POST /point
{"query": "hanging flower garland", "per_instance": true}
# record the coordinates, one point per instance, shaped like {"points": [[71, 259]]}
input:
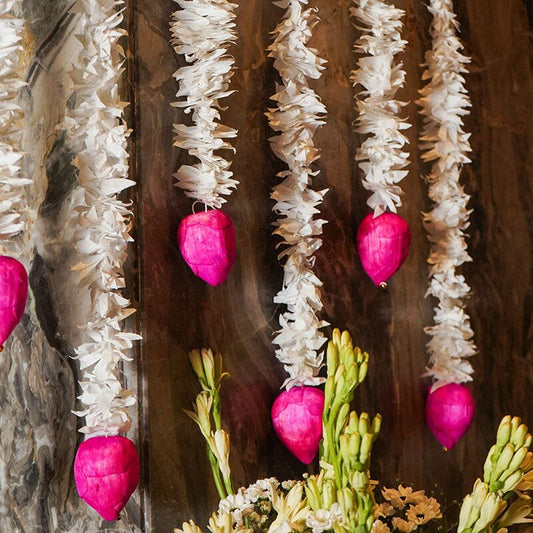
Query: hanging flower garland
{"points": [[106, 468], [297, 412], [444, 103], [13, 204], [202, 31], [383, 237]]}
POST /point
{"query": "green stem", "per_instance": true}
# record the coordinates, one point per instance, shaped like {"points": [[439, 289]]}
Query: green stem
{"points": [[228, 485], [215, 411], [334, 458], [216, 473]]}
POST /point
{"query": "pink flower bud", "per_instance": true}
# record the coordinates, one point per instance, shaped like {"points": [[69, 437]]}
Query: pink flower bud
{"points": [[13, 295], [297, 420], [382, 244], [106, 471], [449, 413], [207, 243]]}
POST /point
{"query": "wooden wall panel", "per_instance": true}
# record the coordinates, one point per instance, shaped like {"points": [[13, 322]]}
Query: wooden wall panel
{"points": [[180, 312]]}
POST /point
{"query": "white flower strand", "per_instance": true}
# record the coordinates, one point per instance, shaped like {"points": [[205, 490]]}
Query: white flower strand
{"points": [[298, 114], [444, 102], [202, 31], [13, 205], [381, 156], [98, 134]]}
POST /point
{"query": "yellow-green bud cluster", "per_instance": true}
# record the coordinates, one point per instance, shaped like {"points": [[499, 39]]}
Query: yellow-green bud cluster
{"points": [[347, 439], [507, 462], [503, 467], [347, 368], [480, 509], [356, 441]]}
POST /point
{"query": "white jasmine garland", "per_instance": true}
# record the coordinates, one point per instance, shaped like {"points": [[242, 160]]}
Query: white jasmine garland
{"points": [[298, 114], [13, 205], [98, 135], [381, 157], [444, 102], [202, 31]]}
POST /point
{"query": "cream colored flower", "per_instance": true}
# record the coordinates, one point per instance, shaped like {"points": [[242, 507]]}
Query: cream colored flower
{"points": [[188, 527], [399, 524], [324, 520], [402, 496], [424, 511], [526, 483], [221, 451], [379, 527], [292, 511], [223, 523], [384, 510], [519, 512]]}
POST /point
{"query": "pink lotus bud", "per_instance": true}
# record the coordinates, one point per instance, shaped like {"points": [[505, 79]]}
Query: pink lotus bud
{"points": [[106, 471], [13, 295], [382, 244], [207, 243], [297, 420], [449, 413]]}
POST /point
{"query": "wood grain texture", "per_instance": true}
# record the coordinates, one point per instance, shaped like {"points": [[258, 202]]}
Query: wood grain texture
{"points": [[179, 312]]}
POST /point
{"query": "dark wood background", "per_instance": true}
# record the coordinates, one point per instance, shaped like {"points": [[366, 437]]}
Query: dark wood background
{"points": [[180, 312]]}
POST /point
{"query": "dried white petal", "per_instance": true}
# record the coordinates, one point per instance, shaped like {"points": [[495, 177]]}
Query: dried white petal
{"points": [[444, 102], [297, 115], [202, 31], [97, 133], [381, 156]]}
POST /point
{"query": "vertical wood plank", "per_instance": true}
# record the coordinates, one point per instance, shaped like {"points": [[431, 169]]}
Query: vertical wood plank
{"points": [[180, 312]]}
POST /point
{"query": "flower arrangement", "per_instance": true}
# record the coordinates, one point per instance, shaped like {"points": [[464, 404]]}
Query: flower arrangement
{"points": [[342, 497]]}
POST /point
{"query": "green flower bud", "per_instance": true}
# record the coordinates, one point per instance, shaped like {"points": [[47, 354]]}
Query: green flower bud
{"points": [[512, 481], [336, 337], [517, 460], [504, 432], [490, 510], [515, 422], [489, 463], [346, 339], [518, 437], [363, 370], [328, 494], [312, 494], [366, 448], [363, 423], [376, 425], [464, 515], [503, 462], [341, 419], [355, 444], [329, 392], [332, 357], [353, 423]]}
